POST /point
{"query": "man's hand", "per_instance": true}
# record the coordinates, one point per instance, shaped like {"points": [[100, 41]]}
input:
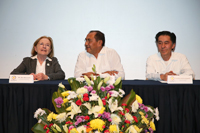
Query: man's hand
{"points": [[34, 76], [112, 73], [164, 76], [88, 74], [41, 76]]}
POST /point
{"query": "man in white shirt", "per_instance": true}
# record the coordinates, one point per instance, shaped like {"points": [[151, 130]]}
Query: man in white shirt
{"points": [[166, 61], [106, 60]]}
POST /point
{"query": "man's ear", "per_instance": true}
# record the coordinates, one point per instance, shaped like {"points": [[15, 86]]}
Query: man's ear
{"points": [[100, 42], [173, 46]]}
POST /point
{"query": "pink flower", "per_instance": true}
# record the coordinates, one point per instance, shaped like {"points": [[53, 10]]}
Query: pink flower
{"points": [[103, 89], [93, 92], [70, 127], [58, 100], [90, 88], [112, 87], [108, 88], [58, 106]]}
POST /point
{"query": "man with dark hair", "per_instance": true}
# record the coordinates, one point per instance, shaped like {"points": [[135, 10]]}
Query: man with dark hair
{"points": [[166, 61], [106, 60]]}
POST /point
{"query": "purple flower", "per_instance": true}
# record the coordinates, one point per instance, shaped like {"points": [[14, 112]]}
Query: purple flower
{"points": [[108, 88], [145, 108], [112, 87], [93, 92], [103, 89], [146, 115], [90, 88], [106, 115], [58, 100]]}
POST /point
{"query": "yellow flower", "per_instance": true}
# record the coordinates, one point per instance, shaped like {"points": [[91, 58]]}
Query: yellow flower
{"points": [[65, 93], [54, 116], [102, 110], [144, 120], [97, 124], [51, 116], [141, 113], [69, 108], [113, 128], [73, 130], [65, 100], [152, 125], [137, 129], [139, 99]]}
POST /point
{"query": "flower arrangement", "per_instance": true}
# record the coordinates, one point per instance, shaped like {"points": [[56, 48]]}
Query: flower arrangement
{"points": [[95, 106]]}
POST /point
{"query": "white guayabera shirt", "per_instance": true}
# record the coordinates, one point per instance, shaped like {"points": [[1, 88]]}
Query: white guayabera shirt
{"points": [[178, 63], [107, 60]]}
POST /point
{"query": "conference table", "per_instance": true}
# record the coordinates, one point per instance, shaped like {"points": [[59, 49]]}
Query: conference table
{"points": [[178, 104]]}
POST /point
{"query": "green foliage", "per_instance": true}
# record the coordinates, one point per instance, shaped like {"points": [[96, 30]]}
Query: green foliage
{"points": [[38, 128]]}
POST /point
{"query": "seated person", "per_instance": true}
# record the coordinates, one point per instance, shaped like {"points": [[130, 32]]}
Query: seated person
{"points": [[42, 65], [166, 61], [106, 60]]}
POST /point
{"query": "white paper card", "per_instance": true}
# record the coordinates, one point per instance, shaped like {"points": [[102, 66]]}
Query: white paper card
{"points": [[21, 79], [174, 79]]}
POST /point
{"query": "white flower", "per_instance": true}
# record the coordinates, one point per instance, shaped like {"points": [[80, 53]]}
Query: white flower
{"points": [[150, 109], [74, 110], [97, 131], [39, 112], [114, 105], [80, 79], [65, 128], [135, 106], [156, 114], [81, 91], [81, 129], [61, 85], [71, 95], [93, 110], [61, 117], [115, 119], [121, 92], [129, 117], [39, 121], [114, 93], [131, 129], [94, 97], [112, 80]]}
